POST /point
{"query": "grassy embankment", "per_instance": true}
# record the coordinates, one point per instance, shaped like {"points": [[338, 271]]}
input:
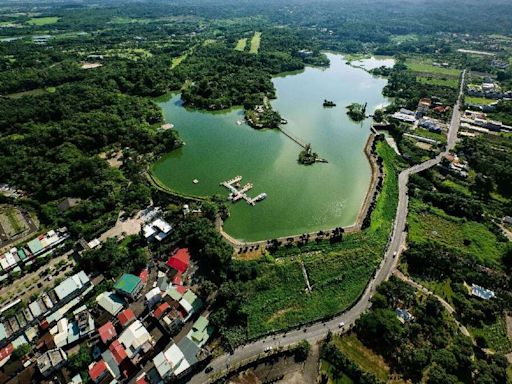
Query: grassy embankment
{"points": [[338, 273]]}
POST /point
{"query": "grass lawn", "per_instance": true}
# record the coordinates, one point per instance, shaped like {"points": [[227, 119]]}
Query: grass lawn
{"points": [[495, 335], [11, 216], [452, 82], [338, 273], [43, 20], [364, 357], [478, 100], [430, 224], [423, 66], [241, 44], [441, 137], [255, 42]]}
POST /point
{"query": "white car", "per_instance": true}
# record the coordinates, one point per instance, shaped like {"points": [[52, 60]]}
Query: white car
{"points": [[268, 349], [341, 324]]}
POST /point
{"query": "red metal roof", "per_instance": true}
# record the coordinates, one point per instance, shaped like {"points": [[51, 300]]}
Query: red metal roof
{"points": [[126, 316], [107, 332], [6, 351], [181, 289], [180, 260], [118, 351], [97, 370], [141, 380], [177, 280], [160, 310], [144, 275]]}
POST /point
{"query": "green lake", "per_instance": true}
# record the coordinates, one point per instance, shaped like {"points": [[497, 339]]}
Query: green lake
{"points": [[300, 198]]}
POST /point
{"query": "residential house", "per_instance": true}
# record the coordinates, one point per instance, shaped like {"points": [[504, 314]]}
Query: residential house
{"points": [[129, 286], [99, 372], [110, 302], [107, 332], [483, 293], [50, 361], [180, 260], [126, 317], [136, 341]]}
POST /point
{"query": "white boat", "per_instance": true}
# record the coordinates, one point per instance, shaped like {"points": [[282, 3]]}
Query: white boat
{"points": [[261, 196], [239, 122], [195, 181]]}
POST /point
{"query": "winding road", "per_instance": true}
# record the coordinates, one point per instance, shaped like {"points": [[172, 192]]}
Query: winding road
{"points": [[318, 331]]}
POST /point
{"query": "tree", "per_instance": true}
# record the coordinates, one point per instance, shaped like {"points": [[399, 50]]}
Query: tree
{"points": [[301, 351]]}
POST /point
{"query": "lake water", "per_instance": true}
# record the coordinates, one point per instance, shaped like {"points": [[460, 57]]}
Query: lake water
{"points": [[300, 198]]}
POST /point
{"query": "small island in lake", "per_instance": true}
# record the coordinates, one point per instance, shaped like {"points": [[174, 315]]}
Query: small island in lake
{"points": [[263, 116], [356, 111], [329, 103], [308, 157]]}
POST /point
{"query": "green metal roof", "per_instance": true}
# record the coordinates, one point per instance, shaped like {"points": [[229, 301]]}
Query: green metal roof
{"points": [[21, 254], [128, 283], [201, 324], [34, 245]]}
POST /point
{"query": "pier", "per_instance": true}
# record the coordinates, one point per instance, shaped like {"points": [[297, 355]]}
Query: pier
{"points": [[292, 137], [239, 194]]}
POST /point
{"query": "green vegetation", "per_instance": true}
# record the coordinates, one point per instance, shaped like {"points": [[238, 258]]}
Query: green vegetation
{"points": [[39, 21], [439, 81], [494, 336], [255, 42], [478, 100], [364, 357], [114, 258], [356, 111], [427, 349], [241, 44], [427, 224]]}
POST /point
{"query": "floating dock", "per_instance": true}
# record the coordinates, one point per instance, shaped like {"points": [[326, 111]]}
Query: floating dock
{"points": [[239, 194]]}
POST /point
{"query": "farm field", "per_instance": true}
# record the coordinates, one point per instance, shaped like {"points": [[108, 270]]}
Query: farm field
{"points": [[468, 237], [43, 20], [241, 44], [255, 42], [338, 273]]}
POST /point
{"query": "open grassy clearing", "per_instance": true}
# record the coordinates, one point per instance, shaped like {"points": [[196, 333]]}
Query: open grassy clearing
{"points": [[177, 60], [478, 100], [364, 357], [255, 42], [439, 81], [425, 66], [241, 44], [43, 20], [430, 224], [338, 273], [495, 335]]}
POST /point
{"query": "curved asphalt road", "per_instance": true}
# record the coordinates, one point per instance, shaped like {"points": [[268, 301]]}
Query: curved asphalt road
{"points": [[318, 331]]}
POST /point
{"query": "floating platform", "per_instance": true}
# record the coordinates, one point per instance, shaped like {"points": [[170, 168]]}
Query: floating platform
{"points": [[239, 194]]}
